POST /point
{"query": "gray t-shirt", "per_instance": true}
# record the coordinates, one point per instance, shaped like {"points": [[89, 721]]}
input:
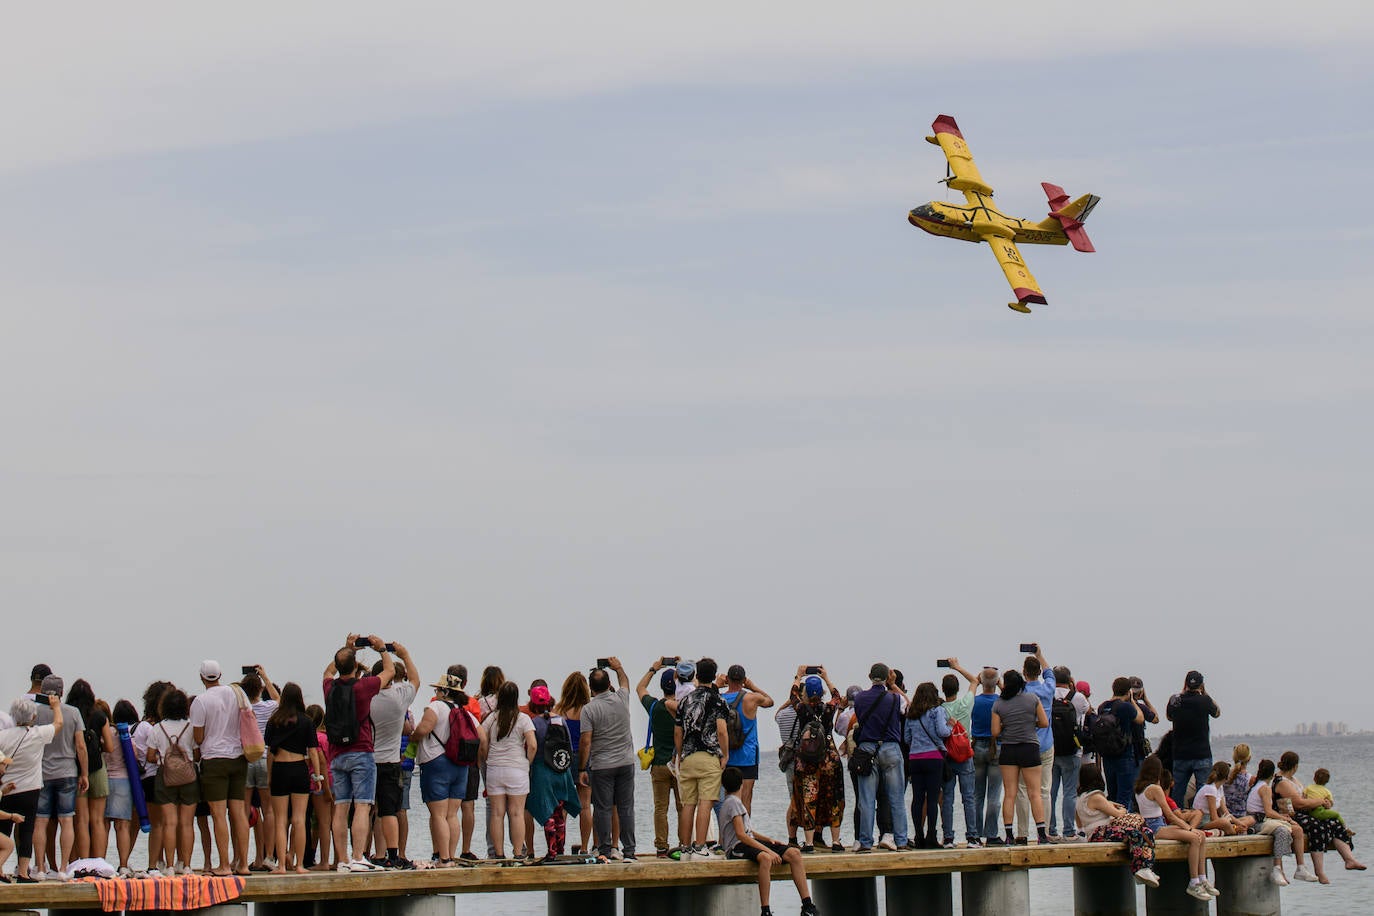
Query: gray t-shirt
{"points": [[388, 720], [59, 757], [1018, 719], [728, 809], [607, 717]]}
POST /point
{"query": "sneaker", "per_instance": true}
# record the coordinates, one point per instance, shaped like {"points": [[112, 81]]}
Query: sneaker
{"points": [[469, 857], [1148, 877], [678, 854], [616, 855], [1198, 891], [152, 873], [1211, 888], [1302, 874], [399, 864], [630, 858], [270, 862], [974, 843], [809, 909], [808, 849], [124, 872], [1277, 877], [181, 870], [341, 867], [995, 841], [792, 841], [661, 853], [699, 854], [948, 844], [858, 848], [887, 842], [1022, 841], [359, 865]]}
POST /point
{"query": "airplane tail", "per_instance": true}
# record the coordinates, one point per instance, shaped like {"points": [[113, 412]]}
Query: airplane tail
{"points": [[1070, 216]]}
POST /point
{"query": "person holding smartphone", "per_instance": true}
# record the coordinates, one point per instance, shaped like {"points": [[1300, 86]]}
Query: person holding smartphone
{"points": [[353, 767]]}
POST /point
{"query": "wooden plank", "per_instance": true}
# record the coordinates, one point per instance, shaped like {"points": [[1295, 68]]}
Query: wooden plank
{"points": [[647, 873]]}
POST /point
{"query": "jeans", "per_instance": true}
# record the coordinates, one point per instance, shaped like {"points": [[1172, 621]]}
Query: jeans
{"points": [[925, 775], [1119, 774], [987, 786], [889, 769], [614, 789], [1198, 769], [964, 776], [1065, 788]]}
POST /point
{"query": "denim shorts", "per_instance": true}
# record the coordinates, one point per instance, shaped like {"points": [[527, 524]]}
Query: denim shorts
{"points": [[257, 774], [442, 780], [119, 804], [355, 777], [57, 798]]}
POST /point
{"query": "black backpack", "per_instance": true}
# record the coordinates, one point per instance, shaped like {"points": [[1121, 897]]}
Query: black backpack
{"points": [[340, 715], [558, 754], [1108, 740], [1064, 724], [813, 741], [95, 761], [734, 722]]}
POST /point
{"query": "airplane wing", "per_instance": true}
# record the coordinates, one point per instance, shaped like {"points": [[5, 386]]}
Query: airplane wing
{"points": [[964, 174], [1017, 273]]}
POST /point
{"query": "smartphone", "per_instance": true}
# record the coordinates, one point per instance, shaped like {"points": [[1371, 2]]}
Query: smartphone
{"points": [[362, 642], [249, 669], [813, 669], [667, 662], [1030, 648], [603, 663], [941, 663], [390, 647]]}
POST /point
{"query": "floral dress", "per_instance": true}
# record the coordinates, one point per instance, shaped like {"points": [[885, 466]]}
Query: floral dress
{"points": [[818, 787], [1321, 835]]}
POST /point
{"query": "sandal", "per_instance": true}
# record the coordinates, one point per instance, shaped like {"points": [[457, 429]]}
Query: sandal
{"points": [[807, 849], [1354, 866], [837, 847]]}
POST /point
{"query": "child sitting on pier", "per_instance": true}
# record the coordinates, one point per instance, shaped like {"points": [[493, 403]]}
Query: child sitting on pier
{"points": [[738, 839]]}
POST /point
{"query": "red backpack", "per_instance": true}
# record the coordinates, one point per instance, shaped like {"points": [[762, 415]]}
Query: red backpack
{"points": [[957, 745], [463, 739]]}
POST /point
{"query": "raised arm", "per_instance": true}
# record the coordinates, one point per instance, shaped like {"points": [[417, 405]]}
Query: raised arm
{"points": [[620, 674], [756, 699], [967, 675], [412, 669], [388, 666]]}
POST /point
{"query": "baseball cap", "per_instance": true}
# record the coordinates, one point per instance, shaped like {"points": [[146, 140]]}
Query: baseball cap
{"points": [[667, 680], [209, 670], [735, 672], [39, 672], [1083, 688], [540, 696], [878, 673], [686, 670], [1193, 681], [852, 691], [815, 687], [52, 684]]}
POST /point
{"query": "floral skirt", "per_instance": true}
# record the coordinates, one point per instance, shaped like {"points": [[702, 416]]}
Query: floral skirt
{"points": [[818, 793], [1322, 835], [1139, 842]]}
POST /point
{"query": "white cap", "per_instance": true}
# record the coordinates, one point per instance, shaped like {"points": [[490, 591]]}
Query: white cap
{"points": [[209, 670]]}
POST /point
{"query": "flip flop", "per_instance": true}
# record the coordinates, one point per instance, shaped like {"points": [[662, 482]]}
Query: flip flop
{"points": [[1355, 866]]}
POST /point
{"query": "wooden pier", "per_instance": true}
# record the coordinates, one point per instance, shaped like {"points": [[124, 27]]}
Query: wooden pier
{"points": [[992, 882]]}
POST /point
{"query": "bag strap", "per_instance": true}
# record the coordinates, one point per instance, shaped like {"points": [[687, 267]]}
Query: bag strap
{"points": [[922, 722], [649, 736]]}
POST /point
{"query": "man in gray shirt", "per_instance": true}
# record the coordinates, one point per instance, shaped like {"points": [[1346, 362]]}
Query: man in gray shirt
{"points": [[389, 709], [606, 754], [64, 775]]}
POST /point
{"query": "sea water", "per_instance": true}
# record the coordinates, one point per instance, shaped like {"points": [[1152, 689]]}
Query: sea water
{"points": [[1348, 758]]}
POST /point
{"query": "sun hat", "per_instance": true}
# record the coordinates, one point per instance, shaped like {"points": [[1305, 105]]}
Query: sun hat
{"points": [[453, 683]]}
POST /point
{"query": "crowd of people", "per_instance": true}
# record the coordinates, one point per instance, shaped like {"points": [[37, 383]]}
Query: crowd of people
{"points": [[271, 784]]}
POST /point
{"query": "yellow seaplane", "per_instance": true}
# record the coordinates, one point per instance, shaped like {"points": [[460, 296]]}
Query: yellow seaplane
{"points": [[979, 221]]}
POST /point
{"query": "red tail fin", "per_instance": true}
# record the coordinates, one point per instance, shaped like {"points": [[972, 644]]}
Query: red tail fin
{"points": [[1073, 225]]}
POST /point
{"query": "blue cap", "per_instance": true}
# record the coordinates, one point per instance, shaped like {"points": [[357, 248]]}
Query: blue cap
{"points": [[667, 681], [814, 686], [686, 671]]}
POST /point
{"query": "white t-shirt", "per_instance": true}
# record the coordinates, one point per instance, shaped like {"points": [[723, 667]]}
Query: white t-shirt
{"points": [[1209, 791], [217, 711], [162, 734], [432, 747], [510, 750], [25, 745], [142, 730]]}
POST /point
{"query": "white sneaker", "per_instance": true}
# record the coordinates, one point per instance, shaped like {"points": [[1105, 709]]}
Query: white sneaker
{"points": [[1211, 888], [124, 872], [152, 873], [700, 854], [617, 855], [887, 842], [1302, 874], [1198, 891], [1277, 877], [269, 862], [343, 867], [1147, 876]]}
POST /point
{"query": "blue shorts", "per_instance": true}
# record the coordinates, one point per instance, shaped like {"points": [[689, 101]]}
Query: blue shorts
{"points": [[57, 798], [406, 777], [1153, 824], [119, 804], [355, 778], [442, 780]]}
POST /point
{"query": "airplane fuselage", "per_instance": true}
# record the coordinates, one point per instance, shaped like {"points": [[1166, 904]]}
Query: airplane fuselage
{"points": [[973, 221]]}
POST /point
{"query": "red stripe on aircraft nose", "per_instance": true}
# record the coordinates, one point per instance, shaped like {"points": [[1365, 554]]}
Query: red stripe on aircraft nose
{"points": [[944, 124], [1029, 295]]}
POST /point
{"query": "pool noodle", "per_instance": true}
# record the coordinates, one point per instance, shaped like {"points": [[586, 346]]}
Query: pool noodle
{"points": [[135, 771]]}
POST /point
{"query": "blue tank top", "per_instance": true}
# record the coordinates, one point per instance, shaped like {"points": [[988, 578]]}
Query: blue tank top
{"points": [[748, 755], [981, 717], [574, 733]]}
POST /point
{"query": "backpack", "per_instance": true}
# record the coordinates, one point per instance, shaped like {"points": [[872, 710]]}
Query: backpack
{"points": [[463, 741], [1108, 740], [95, 760], [177, 769], [734, 722], [1064, 724], [958, 747], [558, 755], [341, 716], [813, 742]]}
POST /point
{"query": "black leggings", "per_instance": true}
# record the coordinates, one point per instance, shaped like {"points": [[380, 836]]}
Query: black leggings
{"points": [[26, 804], [926, 776]]}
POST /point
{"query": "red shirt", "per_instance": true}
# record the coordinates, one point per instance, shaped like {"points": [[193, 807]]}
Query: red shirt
{"points": [[364, 689]]}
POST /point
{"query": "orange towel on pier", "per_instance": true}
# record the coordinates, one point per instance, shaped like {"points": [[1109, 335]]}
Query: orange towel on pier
{"points": [[185, 892]]}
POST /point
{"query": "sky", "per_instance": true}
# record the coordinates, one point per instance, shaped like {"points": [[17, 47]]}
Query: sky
{"points": [[528, 336]]}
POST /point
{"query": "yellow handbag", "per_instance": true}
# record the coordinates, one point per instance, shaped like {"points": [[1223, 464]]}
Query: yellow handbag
{"points": [[646, 753]]}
